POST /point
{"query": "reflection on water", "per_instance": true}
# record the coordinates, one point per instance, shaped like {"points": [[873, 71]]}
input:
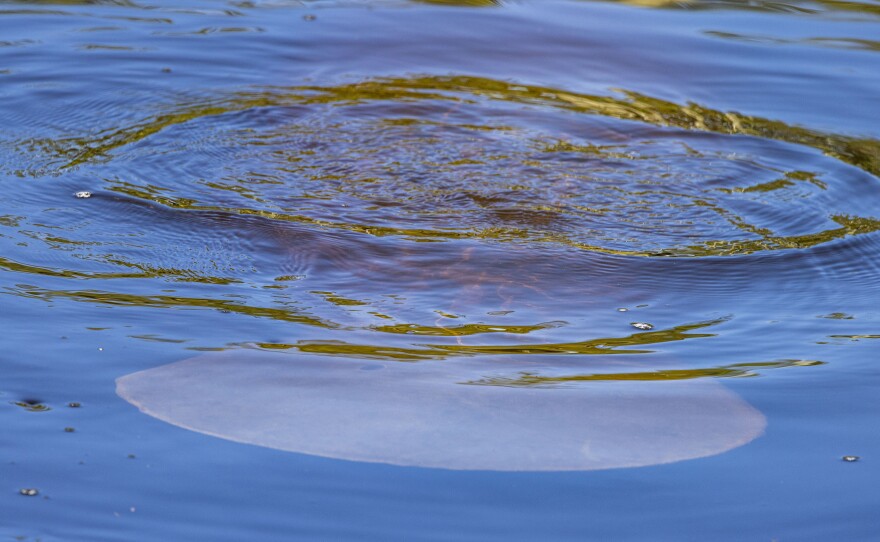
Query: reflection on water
{"points": [[458, 157], [404, 206], [735, 370], [413, 206], [813, 7], [604, 346], [421, 186]]}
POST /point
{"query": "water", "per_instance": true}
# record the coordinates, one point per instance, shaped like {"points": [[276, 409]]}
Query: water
{"points": [[428, 183]]}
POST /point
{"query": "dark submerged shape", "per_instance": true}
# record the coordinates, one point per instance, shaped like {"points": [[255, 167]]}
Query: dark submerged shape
{"points": [[434, 184], [380, 205], [428, 414]]}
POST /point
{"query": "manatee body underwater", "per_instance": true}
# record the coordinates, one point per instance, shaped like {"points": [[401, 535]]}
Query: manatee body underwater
{"points": [[425, 221]]}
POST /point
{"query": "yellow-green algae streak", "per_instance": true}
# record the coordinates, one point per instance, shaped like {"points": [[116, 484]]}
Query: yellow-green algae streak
{"points": [[463, 92], [430, 173]]}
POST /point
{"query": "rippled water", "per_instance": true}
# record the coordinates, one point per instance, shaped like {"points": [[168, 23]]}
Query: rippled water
{"points": [[510, 184]]}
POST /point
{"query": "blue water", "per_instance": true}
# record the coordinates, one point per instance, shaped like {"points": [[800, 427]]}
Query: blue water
{"points": [[325, 176]]}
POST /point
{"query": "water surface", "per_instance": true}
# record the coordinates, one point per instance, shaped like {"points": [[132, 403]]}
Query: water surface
{"points": [[420, 182]]}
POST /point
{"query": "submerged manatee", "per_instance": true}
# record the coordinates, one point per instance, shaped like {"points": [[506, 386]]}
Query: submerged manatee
{"points": [[437, 413]]}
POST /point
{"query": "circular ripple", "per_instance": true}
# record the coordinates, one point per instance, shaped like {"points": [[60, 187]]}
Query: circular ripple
{"points": [[409, 160], [459, 208]]}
